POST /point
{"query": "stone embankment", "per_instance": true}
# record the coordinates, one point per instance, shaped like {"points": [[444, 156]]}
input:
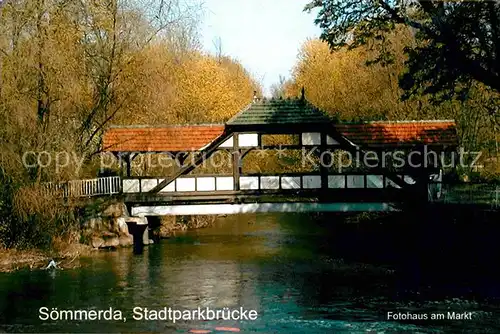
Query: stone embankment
{"points": [[110, 229]]}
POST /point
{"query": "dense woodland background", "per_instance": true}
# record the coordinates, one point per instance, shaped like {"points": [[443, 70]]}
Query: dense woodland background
{"points": [[70, 69], [342, 84]]}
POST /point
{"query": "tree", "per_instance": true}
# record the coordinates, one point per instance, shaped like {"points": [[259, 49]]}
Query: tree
{"points": [[113, 36], [67, 70], [219, 53], [456, 41], [278, 90], [68, 67], [341, 84]]}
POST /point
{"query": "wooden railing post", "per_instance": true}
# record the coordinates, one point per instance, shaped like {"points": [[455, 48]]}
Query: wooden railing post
{"points": [[324, 161], [236, 162]]}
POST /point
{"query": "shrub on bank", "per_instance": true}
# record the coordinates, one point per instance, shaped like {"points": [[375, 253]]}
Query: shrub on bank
{"points": [[30, 218], [171, 224]]}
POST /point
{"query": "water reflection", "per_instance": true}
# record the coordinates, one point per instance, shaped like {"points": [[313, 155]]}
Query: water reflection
{"points": [[279, 265]]}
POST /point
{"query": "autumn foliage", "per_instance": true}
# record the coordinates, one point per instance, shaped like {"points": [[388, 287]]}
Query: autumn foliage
{"points": [[192, 87], [351, 85], [71, 69]]}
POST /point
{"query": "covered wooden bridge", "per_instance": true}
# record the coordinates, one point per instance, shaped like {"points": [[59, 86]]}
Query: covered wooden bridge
{"points": [[369, 180]]}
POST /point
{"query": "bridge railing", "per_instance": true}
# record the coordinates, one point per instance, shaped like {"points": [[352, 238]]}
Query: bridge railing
{"points": [[296, 181], [102, 186], [105, 186]]}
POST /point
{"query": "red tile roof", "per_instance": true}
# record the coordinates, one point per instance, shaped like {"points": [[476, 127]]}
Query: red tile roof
{"points": [[405, 133], [160, 139], [194, 137]]}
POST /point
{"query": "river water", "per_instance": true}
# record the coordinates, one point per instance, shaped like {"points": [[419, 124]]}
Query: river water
{"points": [[282, 266]]}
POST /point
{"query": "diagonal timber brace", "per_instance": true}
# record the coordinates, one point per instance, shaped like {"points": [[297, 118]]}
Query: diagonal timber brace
{"points": [[202, 155], [352, 148]]}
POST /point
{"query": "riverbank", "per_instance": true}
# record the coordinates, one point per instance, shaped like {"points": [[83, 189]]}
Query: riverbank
{"points": [[67, 255], [35, 259], [167, 227]]}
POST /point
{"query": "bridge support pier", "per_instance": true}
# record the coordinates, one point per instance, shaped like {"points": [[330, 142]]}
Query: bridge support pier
{"points": [[138, 228]]}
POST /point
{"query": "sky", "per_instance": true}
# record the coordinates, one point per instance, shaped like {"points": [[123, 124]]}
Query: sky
{"points": [[264, 35]]}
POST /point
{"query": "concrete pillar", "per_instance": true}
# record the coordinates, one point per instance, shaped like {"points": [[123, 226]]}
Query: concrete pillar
{"points": [[236, 162], [138, 228], [145, 236]]}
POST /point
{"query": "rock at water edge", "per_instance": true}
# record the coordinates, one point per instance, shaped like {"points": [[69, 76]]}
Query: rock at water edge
{"points": [[97, 242]]}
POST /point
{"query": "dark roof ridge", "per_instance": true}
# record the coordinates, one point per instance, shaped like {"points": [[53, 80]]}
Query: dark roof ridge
{"points": [[278, 111]]}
